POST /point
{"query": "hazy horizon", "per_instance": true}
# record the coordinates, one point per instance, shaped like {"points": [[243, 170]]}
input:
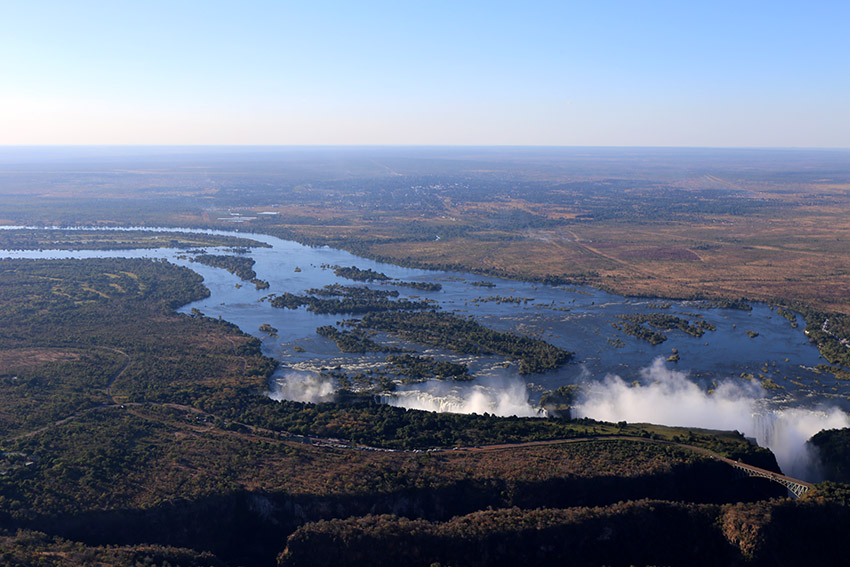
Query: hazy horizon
{"points": [[414, 146], [608, 74]]}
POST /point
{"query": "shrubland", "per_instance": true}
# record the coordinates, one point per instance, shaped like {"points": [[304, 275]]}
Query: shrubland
{"points": [[152, 432]]}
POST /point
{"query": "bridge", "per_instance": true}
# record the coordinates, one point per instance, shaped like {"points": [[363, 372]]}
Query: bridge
{"points": [[796, 487]]}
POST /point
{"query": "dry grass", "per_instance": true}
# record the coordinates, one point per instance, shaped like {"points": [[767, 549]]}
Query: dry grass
{"points": [[803, 254], [19, 358]]}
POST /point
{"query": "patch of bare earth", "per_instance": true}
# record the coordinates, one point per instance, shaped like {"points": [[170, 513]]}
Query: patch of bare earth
{"points": [[32, 357]]}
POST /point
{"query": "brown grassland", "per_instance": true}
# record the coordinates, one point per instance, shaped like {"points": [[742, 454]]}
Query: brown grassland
{"points": [[796, 252], [128, 425], [762, 225]]}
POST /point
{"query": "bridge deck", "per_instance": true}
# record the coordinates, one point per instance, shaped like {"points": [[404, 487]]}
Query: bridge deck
{"points": [[796, 487]]}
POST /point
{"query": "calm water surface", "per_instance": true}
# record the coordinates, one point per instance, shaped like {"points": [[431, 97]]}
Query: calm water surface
{"points": [[577, 319]]}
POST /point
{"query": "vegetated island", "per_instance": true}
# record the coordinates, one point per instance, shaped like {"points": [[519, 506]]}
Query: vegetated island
{"points": [[420, 286], [82, 239], [419, 368], [348, 299], [241, 266], [353, 340], [127, 424], [417, 321], [648, 326], [466, 336], [356, 274]]}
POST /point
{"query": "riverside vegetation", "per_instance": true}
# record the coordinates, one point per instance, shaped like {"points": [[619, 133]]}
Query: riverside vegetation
{"points": [[76, 239], [417, 321], [241, 266], [167, 448], [199, 468]]}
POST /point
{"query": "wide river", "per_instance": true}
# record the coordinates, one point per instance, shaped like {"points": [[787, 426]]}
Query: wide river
{"points": [[624, 377]]}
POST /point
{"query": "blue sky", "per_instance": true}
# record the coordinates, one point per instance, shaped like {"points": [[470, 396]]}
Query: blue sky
{"points": [[720, 74]]}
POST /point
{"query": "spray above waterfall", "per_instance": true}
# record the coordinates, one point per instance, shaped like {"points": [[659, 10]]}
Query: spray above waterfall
{"points": [[668, 397], [662, 395], [496, 395], [301, 387]]}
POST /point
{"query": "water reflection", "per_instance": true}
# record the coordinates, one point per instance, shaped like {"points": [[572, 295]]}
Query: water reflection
{"points": [[581, 320]]}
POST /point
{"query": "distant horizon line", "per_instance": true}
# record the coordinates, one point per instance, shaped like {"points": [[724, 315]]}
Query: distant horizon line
{"points": [[459, 146]]}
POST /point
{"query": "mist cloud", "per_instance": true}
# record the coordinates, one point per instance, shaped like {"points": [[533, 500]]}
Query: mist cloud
{"points": [[786, 431], [494, 395], [668, 397], [302, 387], [663, 396]]}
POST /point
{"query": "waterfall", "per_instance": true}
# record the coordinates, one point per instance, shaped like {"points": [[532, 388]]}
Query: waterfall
{"points": [[502, 399]]}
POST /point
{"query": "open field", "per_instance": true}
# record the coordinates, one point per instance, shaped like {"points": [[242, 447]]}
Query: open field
{"points": [[764, 224], [789, 251], [767, 225]]}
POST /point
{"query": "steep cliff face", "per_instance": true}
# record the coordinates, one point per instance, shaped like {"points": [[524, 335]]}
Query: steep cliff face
{"points": [[832, 447], [647, 532], [251, 527], [643, 533], [808, 531]]}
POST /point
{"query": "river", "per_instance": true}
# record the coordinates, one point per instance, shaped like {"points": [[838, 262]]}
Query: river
{"points": [[717, 381]]}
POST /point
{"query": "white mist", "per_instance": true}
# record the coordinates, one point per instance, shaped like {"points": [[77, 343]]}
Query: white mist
{"points": [[667, 397]]}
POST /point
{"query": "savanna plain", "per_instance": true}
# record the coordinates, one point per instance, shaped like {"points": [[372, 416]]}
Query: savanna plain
{"points": [[135, 432]]}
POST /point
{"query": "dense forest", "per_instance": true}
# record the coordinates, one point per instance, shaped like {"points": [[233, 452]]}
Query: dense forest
{"points": [[241, 266], [649, 326], [833, 450], [643, 532], [127, 425], [465, 336]]}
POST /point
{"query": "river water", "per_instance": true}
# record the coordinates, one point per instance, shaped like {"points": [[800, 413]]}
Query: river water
{"points": [[717, 381], [577, 319]]}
